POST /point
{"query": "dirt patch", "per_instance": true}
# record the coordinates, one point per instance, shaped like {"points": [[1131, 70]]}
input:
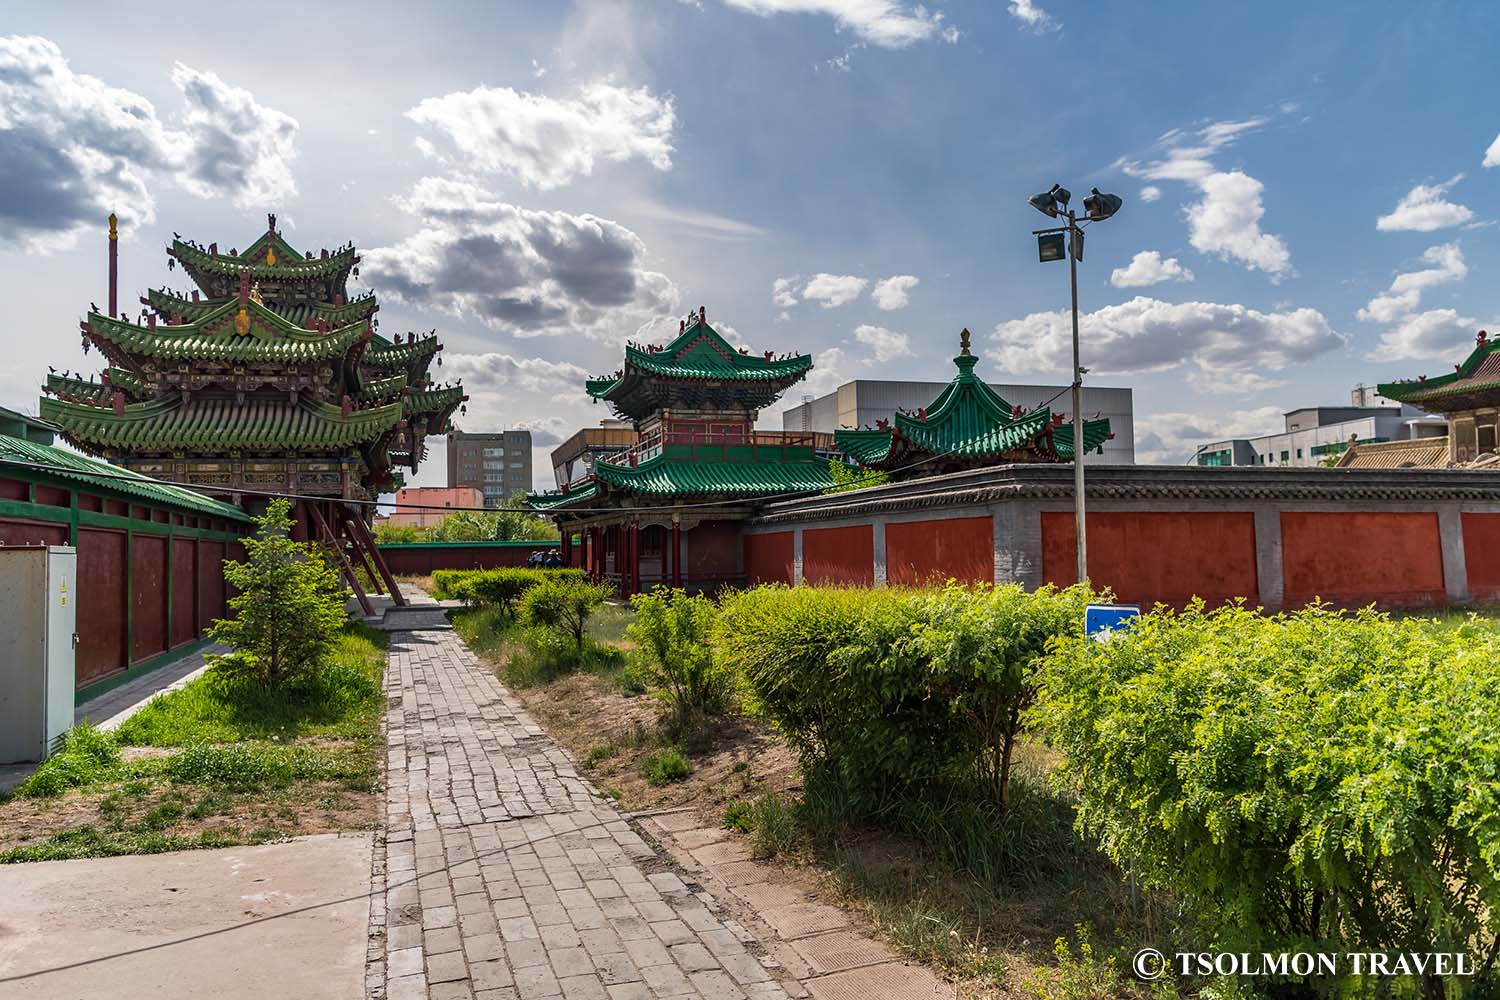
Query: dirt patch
{"points": [[145, 807], [609, 733]]}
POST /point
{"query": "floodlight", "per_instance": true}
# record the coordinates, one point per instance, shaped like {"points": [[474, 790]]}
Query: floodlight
{"points": [[1050, 201], [1051, 246], [1101, 206]]}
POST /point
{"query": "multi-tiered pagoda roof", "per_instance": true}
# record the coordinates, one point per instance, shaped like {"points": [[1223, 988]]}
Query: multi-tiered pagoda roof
{"points": [[1473, 383], [265, 375], [969, 425], [694, 402]]}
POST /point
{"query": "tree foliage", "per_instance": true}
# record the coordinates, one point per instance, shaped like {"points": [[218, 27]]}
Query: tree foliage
{"points": [[561, 607], [1304, 782], [512, 521], [289, 607], [852, 477], [672, 631]]}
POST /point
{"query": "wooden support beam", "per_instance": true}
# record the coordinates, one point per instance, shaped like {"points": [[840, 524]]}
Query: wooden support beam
{"points": [[365, 542], [333, 543]]}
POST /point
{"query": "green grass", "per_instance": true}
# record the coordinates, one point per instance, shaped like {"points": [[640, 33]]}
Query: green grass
{"points": [[91, 842], [87, 755], [666, 767], [341, 701], [525, 660]]}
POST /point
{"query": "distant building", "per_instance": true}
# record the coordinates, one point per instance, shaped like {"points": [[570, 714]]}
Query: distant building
{"points": [[425, 506], [574, 458], [498, 464], [864, 403], [1313, 435]]}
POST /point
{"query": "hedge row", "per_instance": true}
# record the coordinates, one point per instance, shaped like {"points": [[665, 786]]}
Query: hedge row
{"points": [[499, 587], [885, 693]]}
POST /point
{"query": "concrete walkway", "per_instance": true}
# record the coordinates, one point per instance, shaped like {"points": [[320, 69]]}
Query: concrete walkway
{"points": [[504, 876]]}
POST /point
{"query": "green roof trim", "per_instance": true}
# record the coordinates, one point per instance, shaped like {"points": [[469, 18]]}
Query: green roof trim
{"points": [[1479, 372], [213, 337], [293, 267], [361, 307], [383, 355], [380, 388], [73, 388], [220, 423], [53, 461], [699, 353], [555, 499]]}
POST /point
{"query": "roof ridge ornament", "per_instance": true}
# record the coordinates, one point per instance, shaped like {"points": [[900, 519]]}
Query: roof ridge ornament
{"points": [[963, 340]]}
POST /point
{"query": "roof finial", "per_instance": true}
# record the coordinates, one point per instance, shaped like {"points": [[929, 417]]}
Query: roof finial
{"points": [[1482, 338], [963, 340], [271, 223], [703, 315]]}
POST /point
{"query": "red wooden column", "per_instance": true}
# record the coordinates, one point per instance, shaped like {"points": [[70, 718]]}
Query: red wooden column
{"points": [[567, 546], [635, 557], [676, 552]]}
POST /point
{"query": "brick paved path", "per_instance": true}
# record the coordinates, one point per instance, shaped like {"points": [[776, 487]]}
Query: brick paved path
{"points": [[505, 877]]}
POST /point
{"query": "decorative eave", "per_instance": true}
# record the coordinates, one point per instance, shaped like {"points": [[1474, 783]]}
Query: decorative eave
{"points": [[298, 315], [666, 476], [561, 499], [411, 355], [1478, 375], [381, 388], [209, 269], [215, 424], [265, 336]]}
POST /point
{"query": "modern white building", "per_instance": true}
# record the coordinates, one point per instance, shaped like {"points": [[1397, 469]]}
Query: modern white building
{"points": [[1313, 435], [864, 401]]}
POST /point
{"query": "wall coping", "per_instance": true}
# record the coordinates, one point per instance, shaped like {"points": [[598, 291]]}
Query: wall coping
{"points": [[491, 544], [1002, 483]]}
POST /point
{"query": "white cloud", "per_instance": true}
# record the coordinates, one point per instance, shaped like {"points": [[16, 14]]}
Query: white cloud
{"points": [[1225, 221], [1405, 293], [826, 376], [527, 272], [1437, 334], [783, 294], [1150, 193], [1148, 268], [894, 292], [546, 142], [887, 344], [506, 371], [887, 23], [1029, 14], [1492, 155], [1146, 334], [1242, 383], [1424, 209], [834, 290], [1174, 438], [73, 148]]}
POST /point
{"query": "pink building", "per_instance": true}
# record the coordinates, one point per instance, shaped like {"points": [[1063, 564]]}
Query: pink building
{"points": [[425, 506]]}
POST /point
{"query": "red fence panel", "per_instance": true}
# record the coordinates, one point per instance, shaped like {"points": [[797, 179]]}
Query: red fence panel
{"points": [[102, 599], [1356, 557], [1151, 556], [184, 591], [958, 548], [769, 558], [1482, 555], [839, 555], [148, 618]]}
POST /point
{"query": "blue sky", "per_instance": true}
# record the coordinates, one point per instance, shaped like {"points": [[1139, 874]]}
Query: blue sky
{"points": [[1307, 195]]}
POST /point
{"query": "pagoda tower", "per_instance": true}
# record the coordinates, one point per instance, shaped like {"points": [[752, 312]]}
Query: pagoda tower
{"points": [[667, 511], [1468, 397], [968, 426], [266, 379]]}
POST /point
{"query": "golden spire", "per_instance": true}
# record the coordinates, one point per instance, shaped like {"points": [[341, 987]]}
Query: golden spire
{"points": [[114, 232], [963, 340]]}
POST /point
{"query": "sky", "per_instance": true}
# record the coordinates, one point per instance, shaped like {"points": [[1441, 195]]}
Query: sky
{"points": [[1307, 187]]}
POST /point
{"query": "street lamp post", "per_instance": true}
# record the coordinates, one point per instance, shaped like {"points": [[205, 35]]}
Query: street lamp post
{"points": [[1097, 207]]}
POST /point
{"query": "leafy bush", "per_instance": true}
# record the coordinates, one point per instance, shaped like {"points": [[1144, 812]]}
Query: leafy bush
{"points": [[558, 610], [666, 767], [86, 754], [737, 816], [1313, 781], [672, 630], [500, 587], [887, 695], [289, 607], [776, 828]]}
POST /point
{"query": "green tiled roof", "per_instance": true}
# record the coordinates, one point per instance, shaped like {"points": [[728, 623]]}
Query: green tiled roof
{"points": [[555, 499], [110, 478], [219, 422], [297, 315], [73, 388], [380, 388], [290, 265], [213, 336], [433, 400], [385, 355], [1479, 373], [699, 353], [968, 420], [664, 475]]}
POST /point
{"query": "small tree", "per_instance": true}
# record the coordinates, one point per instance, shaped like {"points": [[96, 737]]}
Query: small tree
{"points": [[290, 605], [563, 607], [672, 630], [852, 477]]}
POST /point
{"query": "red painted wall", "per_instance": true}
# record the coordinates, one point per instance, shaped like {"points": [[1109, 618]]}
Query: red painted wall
{"points": [[712, 552], [421, 561], [1355, 557], [1147, 557], [184, 628], [148, 620], [211, 583], [32, 533], [839, 555], [1482, 555], [959, 548], [770, 558], [101, 600]]}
